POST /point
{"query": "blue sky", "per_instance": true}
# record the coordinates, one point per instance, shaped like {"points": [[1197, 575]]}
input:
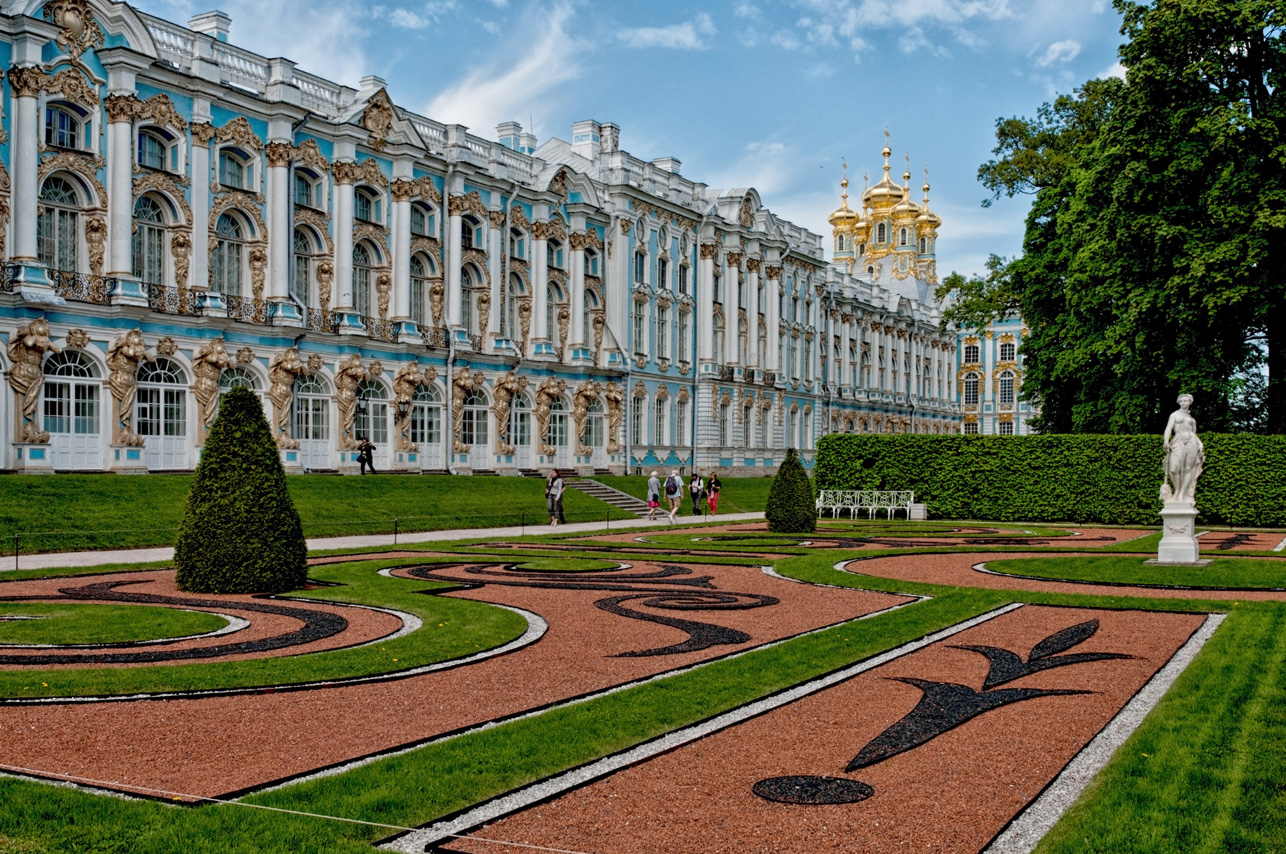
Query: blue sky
{"points": [[763, 93]]}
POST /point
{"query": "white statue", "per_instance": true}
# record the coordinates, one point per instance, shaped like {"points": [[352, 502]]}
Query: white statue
{"points": [[1184, 455]]}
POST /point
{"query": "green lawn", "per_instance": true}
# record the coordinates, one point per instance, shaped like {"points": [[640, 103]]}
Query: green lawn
{"points": [[1230, 572], [738, 494], [80, 512], [84, 623]]}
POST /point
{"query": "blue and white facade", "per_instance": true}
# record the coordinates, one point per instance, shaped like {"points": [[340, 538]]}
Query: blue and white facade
{"points": [[179, 216], [990, 375]]}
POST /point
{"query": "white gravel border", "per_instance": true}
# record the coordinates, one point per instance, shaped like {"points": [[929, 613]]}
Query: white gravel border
{"points": [[524, 797], [1026, 830]]}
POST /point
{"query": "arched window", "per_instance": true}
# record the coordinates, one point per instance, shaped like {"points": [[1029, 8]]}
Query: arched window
{"points": [[312, 408], [639, 328], [554, 254], [468, 287], [861, 249], [640, 269], [419, 287], [902, 237], [302, 283], [64, 126], [426, 417], [520, 421], [880, 233], [971, 390], [161, 405], [517, 243], [1007, 388], [237, 377], [509, 319], [149, 241], [235, 169], [924, 244], [592, 433], [363, 263], [58, 225], [366, 205], [556, 430], [591, 262], [660, 435], [1008, 350], [473, 427], [422, 221], [229, 252], [70, 393]]}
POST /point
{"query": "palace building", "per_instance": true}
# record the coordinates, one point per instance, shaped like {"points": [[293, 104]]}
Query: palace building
{"points": [[179, 217]]}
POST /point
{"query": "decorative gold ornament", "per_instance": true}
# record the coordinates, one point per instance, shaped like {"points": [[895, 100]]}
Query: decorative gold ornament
{"points": [[202, 133], [26, 351], [283, 369], [167, 346], [503, 391], [377, 118], [350, 374], [79, 30], [405, 384], [239, 133], [123, 357], [96, 238], [463, 383], [208, 364]]}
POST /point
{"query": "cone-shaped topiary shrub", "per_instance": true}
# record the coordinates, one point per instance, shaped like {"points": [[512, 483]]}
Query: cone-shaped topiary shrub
{"points": [[240, 532], [791, 509]]}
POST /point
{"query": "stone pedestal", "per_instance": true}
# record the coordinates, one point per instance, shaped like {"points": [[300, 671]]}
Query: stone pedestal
{"points": [[33, 458], [290, 461], [127, 459], [918, 513], [1178, 534]]}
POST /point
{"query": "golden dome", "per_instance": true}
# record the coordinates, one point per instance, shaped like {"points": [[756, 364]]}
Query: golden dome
{"points": [[906, 209], [885, 194], [844, 217]]}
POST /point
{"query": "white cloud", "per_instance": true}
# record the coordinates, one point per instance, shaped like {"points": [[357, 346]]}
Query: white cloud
{"points": [[746, 10], [408, 20], [514, 85], [689, 35], [1059, 52], [1116, 69]]}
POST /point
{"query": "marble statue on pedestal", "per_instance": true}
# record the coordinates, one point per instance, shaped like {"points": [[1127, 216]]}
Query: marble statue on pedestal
{"points": [[1184, 457]]}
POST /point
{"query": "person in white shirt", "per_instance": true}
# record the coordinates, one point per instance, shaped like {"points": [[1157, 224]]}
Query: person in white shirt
{"points": [[674, 493], [653, 496]]}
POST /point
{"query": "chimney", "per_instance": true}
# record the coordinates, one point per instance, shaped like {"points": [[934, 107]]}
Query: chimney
{"points": [[509, 134], [527, 143], [371, 83], [585, 138], [212, 24], [611, 138]]}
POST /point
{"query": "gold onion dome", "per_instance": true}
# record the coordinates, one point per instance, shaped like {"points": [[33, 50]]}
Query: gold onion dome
{"points": [[906, 209], [844, 216], [885, 194]]}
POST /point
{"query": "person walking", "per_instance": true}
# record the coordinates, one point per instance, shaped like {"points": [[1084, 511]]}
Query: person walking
{"points": [[712, 493], [653, 496], [554, 497], [674, 493], [366, 455], [697, 487]]}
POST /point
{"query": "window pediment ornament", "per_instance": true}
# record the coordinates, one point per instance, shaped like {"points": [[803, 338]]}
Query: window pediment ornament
{"points": [[640, 390], [518, 218], [406, 190], [239, 133], [374, 233], [319, 222], [663, 392], [79, 30], [159, 110], [82, 165], [367, 172], [71, 85], [552, 230], [471, 203], [664, 215], [167, 185], [479, 259], [558, 185], [377, 118], [684, 395], [429, 246]]}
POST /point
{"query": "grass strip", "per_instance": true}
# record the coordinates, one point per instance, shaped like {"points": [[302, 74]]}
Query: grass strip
{"points": [[83, 623], [1224, 572], [452, 628]]}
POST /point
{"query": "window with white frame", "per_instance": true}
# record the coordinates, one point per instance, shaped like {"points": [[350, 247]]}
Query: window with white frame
{"points": [[426, 417], [517, 243], [640, 268], [366, 205], [473, 426], [746, 425], [684, 334], [64, 126], [662, 332], [971, 390], [161, 404], [554, 254], [662, 273], [636, 421], [971, 428], [659, 408], [1008, 350], [683, 278], [157, 150], [520, 421], [591, 262], [972, 354], [724, 426], [70, 393], [419, 287], [148, 241], [423, 222], [235, 170], [226, 264], [312, 408], [681, 422], [308, 189], [1006, 392], [639, 327], [372, 418], [58, 225], [792, 429], [592, 432], [363, 269], [553, 299], [556, 429], [1005, 428]]}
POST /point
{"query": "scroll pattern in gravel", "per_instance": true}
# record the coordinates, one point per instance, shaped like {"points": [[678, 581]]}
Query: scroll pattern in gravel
{"points": [[779, 782]]}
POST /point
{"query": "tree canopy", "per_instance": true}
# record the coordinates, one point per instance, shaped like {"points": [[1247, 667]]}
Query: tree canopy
{"points": [[1154, 257]]}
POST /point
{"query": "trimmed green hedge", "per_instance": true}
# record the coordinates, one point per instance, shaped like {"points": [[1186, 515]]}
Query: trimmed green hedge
{"points": [[1114, 479], [791, 507]]}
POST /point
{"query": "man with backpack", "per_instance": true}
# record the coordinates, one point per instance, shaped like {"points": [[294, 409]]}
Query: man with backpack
{"points": [[674, 493]]}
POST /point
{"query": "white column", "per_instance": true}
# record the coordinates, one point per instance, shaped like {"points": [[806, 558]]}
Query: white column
{"points": [[455, 230], [752, 313], [705, 305], [400, 247], [120, 189], [199, 274], [343, 241], [24, 149], [989, 356], [845, 366], [539, 285], [577, 285], [495, 257], [772, 285], [280, 240], [877, 341], [731, 300]]}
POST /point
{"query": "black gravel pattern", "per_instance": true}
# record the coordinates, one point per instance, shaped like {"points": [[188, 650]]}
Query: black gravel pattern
{"points": [[318, 625], [808, 790]]}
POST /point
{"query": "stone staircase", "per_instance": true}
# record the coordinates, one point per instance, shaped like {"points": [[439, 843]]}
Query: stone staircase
{"points": [[615, 497]]}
